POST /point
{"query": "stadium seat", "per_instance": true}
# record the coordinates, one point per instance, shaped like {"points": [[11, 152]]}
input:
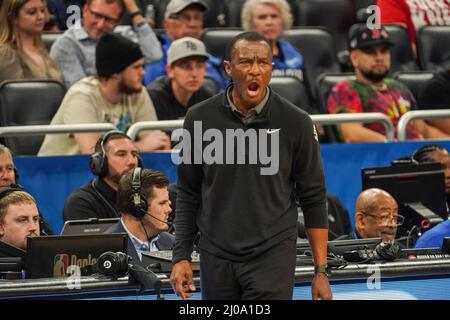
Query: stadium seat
{"points": [[294, 4], [324, 84], [160, 8], [336, 15], [216, 40], [48, 38], [415, 81], [214, 16], [232, 11], [433, 47], [402, 58], [318, 47], [361, 9], [28, 102], [293, 90], [211, 85]]}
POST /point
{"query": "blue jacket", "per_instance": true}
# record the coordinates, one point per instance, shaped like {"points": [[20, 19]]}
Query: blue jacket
{"points": [[434, 237], [289, 62], [292, 59], [156, 69]]}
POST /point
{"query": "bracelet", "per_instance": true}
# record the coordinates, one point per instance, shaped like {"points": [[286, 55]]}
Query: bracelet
{"points": [[136, 13]]}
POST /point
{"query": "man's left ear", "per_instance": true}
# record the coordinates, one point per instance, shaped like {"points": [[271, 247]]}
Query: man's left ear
{"points": [[227, 67], [169, 71]]}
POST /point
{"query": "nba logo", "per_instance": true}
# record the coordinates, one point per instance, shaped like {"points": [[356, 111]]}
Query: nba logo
{"points": [[60, 264]]}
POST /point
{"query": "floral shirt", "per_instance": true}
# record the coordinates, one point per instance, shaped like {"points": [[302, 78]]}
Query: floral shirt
{"points": [[354, 96]]}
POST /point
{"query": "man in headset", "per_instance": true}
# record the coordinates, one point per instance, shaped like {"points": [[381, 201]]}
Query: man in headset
{"points": [[115, 153], [9, 177], [143, 200]]}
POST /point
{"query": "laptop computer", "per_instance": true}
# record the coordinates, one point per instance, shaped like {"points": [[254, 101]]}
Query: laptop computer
{"points": [[89, 226], [60, 256]]}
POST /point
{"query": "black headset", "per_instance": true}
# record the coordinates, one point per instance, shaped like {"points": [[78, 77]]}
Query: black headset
{"points": [[388, 251], [137, 204], [113, 264], [98, 162]]}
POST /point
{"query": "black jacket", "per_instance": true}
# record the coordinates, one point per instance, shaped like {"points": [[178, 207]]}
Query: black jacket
{"points": [[165, 242], [239, 212], [166, 105], [338, 219], [95, 199]]}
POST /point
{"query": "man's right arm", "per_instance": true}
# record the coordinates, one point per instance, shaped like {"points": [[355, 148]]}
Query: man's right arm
{"points": [[356, 132], [188, 203], [67, 56], [189, 181], [86, 141]]}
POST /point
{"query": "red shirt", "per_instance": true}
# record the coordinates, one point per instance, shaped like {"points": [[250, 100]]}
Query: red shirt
{"points": [[415, 13]]}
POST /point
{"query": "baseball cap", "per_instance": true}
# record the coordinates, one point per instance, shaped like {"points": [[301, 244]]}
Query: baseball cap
{"points": [[176, 6], [364, 37], [185, 47]]}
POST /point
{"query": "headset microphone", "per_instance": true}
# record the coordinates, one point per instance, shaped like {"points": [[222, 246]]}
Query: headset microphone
{"points": [[166, 222]]}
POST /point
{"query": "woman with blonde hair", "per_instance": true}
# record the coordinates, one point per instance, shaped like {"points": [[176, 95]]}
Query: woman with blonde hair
{"points": [[22, 54], [270, 18]]}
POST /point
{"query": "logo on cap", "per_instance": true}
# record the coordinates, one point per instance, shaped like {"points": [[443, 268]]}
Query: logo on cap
{"points": [[191, 46]]}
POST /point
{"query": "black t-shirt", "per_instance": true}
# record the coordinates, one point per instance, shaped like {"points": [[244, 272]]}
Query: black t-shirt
{"points": [[166, 105], [436, 93], [95, 199]]}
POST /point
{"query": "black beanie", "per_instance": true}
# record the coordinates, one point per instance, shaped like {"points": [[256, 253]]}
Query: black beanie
{"points": [[114, 53]]}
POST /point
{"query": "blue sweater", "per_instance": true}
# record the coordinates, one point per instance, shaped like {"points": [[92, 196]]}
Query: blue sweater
{"points": [[434, 237]]}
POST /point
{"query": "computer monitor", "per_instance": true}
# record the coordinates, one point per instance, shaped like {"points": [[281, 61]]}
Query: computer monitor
{"points": [[88, 226], [338, 247], [51, 256], [419, 190], [8, 250]]}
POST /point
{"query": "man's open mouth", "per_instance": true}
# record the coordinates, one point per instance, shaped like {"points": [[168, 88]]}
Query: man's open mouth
{"points": [[252, 89]]}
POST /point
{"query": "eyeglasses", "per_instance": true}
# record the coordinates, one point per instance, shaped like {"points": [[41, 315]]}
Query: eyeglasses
{"points": [[184, 17], [99, 17], [395, 219]]}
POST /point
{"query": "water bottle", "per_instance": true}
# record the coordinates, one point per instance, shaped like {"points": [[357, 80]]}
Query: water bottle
{"points": [[150, 15]]}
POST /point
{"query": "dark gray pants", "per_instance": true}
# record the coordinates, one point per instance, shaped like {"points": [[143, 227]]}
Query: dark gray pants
{"points": [[269, 276]]}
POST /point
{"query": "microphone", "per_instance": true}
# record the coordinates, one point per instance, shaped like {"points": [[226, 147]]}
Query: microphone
{"points": [[166, 222]]}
